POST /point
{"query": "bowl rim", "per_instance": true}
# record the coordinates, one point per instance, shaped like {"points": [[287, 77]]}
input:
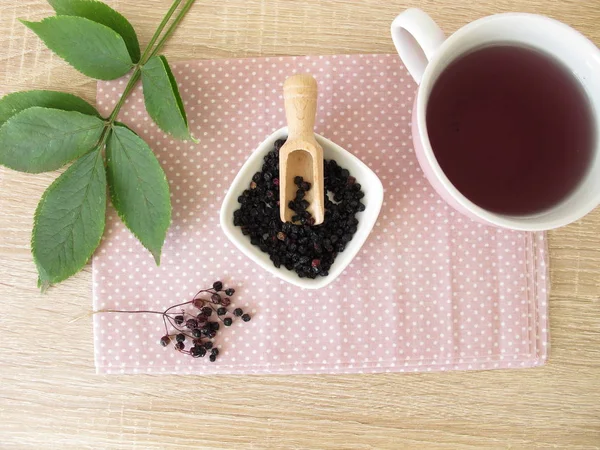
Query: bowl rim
{"points": [[368, 220]]}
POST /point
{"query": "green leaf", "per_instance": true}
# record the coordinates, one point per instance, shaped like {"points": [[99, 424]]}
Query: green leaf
{"points": [[139, 189], [124, 125], [43, 139], [101, 13], [92, 48], [162, 98], [16, 102], [69, 220]]}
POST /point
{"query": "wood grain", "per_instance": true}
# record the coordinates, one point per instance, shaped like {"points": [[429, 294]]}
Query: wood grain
{"points": [[301, 155], [51, 398]]}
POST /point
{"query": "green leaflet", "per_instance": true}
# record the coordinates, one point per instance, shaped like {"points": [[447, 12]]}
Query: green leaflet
{"points": [[92, 48], [43, 139], [139, 189], [69, 220], [162, 98], [16, 102], [101, 13], [43, 130]]}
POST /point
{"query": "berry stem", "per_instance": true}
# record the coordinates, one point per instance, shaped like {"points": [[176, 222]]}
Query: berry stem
{"points": [[179, 304], [165, 322], [201, 291], [128, 312], [198, 328], [171, 322]]}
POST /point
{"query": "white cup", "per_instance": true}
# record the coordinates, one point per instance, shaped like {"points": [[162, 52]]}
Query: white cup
{"points": [[426, 52]]}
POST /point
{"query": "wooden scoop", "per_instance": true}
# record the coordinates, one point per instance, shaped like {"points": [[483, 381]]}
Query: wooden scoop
{"points": [[301, 155]]}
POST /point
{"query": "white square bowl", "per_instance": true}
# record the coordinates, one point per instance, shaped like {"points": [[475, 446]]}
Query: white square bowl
{"points": [[373, 199]]}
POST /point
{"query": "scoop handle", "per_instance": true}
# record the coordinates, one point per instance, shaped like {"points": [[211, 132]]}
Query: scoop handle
{"points": [[300, 99]]}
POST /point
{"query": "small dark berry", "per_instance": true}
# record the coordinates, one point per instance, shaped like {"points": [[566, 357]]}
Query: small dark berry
{"points": [[191, 323], [279, 143], [214, 326], [208, 345], [198, 303], [178, 320], [217, 286], [179, 345], [238, 312], [295, 244], [316, 262], [221, 311], [227, 321], [197, 352], [246, 317], [276, 181], [165, 340], [212, 358], [180, 337], [201, 318], [215, 298], [197, 333], [212, 334], [207, 311], [215, 351], [229, 292], [226, 302]]}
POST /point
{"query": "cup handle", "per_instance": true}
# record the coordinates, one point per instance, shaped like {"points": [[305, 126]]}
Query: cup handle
{"points": [[416, 37]]}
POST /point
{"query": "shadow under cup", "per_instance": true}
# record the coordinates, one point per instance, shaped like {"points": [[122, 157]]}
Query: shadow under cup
{"points": [[512, 128]]}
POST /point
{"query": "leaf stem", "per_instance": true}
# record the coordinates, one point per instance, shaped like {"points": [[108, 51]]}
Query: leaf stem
{"points": [[172, 27], [135, 76], [148, 53], [158, 31]]}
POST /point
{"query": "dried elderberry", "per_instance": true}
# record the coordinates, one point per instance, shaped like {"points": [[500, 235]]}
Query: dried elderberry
{"points": [[194, 324], [300, 246]]}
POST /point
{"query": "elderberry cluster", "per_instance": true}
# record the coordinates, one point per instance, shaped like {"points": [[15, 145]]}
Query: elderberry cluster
{"points": [[195, 328], [300, 246]]}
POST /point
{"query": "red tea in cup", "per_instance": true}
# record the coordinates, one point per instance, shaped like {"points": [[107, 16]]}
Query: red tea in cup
{"points": [[511, 128], [506, 116]]}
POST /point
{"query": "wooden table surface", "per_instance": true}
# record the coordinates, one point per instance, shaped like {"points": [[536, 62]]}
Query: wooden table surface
{"points": [[51, 398]]}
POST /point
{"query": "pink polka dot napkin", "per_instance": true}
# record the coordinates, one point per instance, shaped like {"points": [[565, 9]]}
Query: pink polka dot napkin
{"points": [[430, 289]]}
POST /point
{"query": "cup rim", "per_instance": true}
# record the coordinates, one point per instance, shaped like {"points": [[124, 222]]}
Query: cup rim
{"points": [[534, 222]]}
